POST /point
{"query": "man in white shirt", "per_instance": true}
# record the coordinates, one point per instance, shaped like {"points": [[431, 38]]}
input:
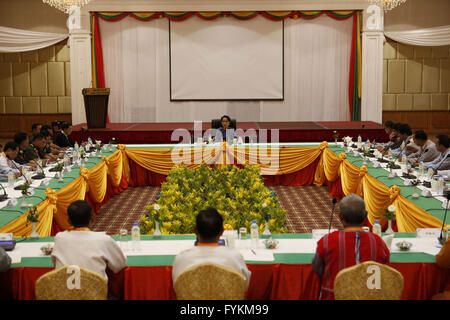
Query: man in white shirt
{"points": [[427, 151], [209, 228], [95, 251], [7, 162], [443, 161]]}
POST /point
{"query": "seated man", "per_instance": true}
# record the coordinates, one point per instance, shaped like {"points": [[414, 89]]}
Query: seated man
{"points": [[342, 249], [209, 228], [404, 134], [21, 138], [7, 160], [394, 140], [95, 251], [427, 151], [62, 138], [34, 151], [35, 129], [443, 161], [48, 151]]}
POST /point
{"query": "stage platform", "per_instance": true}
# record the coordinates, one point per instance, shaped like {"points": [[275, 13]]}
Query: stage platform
{"points": [[151, 133]]}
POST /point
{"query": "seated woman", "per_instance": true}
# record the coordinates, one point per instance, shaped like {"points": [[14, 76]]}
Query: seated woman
{"points": [[225, 131]]}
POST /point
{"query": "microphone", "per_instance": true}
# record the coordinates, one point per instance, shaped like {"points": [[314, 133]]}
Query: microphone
{"points": [[4, 196], [24, 176], [447, 195], [332, 211]]}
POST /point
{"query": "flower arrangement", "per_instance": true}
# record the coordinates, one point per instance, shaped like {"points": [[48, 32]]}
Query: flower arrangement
{"points": [[389, 213], [238, 194], [335, 135], [32, 215], [25, 188]]}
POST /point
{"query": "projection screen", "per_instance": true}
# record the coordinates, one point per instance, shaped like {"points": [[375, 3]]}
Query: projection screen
{"points": [[226, 59]]}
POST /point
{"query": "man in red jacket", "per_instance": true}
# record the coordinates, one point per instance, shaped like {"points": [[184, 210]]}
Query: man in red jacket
{"points": [[342, 249]]}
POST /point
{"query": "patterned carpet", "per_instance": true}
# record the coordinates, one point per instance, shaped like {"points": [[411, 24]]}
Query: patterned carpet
{"points": [[307, 208]]}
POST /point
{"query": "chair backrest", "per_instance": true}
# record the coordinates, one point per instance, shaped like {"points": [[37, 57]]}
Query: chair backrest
{"points": [[210, 281], [369, 280], [216, 124], [71, 283]]}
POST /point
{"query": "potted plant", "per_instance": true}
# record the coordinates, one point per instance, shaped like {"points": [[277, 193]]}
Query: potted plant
{"points": [[390, 216], [25, 193], [415, 183], [391, 165], [33, 217], [335, 136], [154, 212]]}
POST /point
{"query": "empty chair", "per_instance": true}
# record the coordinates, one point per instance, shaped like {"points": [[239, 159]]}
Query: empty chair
{"points": [[210, 281], [369, 280], [71, 283]]}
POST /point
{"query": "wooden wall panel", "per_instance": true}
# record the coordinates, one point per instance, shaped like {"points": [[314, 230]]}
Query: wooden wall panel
{"points": [[432, 122], [10, 124]]}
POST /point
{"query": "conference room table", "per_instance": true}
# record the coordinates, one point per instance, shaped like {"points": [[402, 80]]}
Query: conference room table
{"points": [[271, 280], [284, 273]]}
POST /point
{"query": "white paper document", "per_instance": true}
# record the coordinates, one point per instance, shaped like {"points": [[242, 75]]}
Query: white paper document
{"points": [[257, 255]]}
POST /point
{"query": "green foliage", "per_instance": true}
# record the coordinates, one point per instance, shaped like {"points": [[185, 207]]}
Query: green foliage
{"points": [[33, 215], [238, 194]]}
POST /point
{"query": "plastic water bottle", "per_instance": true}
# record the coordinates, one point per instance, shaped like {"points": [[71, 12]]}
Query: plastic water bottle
{"points": [[11, 178], [76, 146], [359, 139], [254, 234], [421, 169], [135, 236], [376, 228], [441, 185]]}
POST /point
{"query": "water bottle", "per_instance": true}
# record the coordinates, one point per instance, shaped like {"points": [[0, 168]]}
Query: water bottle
{"points": [[76, 146], [421, 169], [359, 139], [441, 185], [11, 178], [254, 234], [135, 236], [376, 228]]}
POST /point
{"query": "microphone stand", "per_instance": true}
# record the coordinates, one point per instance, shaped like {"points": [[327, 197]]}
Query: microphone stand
{"points": [[332, 211], [441, 238], [4, 196], [24, 176]]}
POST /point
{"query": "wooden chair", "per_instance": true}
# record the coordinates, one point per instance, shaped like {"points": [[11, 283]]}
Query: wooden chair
{"points": [[369, 280], [210, 281], [61, 284]]}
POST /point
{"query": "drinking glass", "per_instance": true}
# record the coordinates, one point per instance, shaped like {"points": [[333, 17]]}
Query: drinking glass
{"points": [[123, 238], [243, 233]]}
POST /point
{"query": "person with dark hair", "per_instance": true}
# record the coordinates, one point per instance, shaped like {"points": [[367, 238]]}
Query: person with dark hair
{"points": [[443, 161], [427, 151], [342, 249], [62, 139], [49, 150], [21, 138], [80, 246], [391, 128], [7, 162], [35, 129], [404, 135], [209, 228], [226, 132], [34, 151]]}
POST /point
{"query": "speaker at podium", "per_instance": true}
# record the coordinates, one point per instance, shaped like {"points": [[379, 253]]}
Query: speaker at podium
{"points": [[96, 106]]}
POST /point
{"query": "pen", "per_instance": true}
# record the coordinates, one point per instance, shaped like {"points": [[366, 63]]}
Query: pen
{"points": [[254, 252]]}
